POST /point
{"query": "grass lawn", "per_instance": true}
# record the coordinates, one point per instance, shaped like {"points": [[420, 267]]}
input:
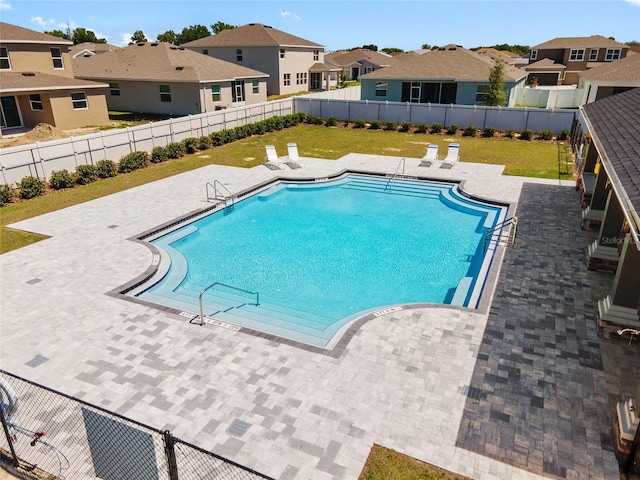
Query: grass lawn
{"points": [[524, 158]]}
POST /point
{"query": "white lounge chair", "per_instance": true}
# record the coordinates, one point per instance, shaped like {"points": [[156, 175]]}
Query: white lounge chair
{"points": [[452, 156], [272, 163], [430, 157], [294, 159]]}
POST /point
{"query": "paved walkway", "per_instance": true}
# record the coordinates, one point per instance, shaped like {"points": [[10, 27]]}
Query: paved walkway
{"points": [[492, 394]]}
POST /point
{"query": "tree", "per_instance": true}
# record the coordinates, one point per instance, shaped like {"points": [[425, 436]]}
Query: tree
{"points": [[194, 32], [392, 50], [373, 48], [426, 46], [496, 96], [59, 33], [81, 35], [169, 36], [138, 37], [220, 26], [632, 43]]}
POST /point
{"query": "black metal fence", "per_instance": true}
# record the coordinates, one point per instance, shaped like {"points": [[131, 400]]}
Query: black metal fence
{"points": [[50, 435]]}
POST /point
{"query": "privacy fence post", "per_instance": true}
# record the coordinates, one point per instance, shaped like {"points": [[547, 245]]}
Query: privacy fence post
{"points": [[5, 427], [170, 452]]}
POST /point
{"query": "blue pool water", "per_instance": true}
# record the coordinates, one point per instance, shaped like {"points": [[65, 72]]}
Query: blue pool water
{"points": [[320, 254]]}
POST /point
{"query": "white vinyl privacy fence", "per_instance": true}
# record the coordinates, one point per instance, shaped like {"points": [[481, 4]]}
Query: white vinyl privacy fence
{"points": [[42, 158]]}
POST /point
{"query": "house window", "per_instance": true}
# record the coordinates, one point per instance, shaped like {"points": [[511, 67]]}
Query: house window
{"points": [[593, 55], [282, 53], [316, 55], [56, 56], [287, 79], [238, 54], [5, 64], [612, 54], [301, 78], [381, 89], [205, 51], [36, 102], [165, 93], [114, 89], [534, 55], [256, 86], [368, 69], [215, 93], [576, 55], [481, 93], [79, 100]]}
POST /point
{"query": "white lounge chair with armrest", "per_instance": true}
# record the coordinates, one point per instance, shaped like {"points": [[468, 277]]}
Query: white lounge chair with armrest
{"points": [[430, 157], [273, 162], [452, 156], [293, 158]]}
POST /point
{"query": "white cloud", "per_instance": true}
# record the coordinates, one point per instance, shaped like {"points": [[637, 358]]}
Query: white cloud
{"points": [[286, 13], [42, 23], [126, 38], [4, 5], [634, 2]]}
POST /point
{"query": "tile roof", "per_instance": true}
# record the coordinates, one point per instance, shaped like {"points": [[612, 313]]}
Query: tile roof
{"points": [[615, 128], [574, 42], [25, 81], [627, 68], [159, 61], [447, 63], [252, 35], [347, 57], [14, 34]]}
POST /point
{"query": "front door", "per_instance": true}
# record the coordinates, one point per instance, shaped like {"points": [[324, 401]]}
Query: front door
{"points": [[316, 81], [238, 92], [10, 113], [355, 73]]}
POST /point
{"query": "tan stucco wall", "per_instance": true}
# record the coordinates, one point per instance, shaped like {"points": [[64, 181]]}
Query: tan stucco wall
{"points": [[30, 118], [37, 58], [66, 117]]}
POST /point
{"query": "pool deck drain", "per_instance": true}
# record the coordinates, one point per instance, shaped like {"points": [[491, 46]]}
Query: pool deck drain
{"points": [[399, 381]]}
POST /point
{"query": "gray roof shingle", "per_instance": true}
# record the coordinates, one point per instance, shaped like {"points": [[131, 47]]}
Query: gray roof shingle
{"points": [[625, 69], [33, 81], [14, 34], [251, 35], [596, 41]]}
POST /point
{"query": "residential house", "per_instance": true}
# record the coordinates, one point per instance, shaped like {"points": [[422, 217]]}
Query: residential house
{"points": [[37, 83], [568, 56], [158, 77], [610, 78], [450, 74], [87, 49], [293, 63], [610, 183], [354, 63]]}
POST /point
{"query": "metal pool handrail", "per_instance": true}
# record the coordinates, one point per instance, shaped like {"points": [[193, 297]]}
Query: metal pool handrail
{"points": [[257, 294], [215, 185], [401, 163]]}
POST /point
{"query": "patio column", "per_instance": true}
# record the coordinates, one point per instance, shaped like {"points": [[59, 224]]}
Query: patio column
{"points": [[590, 162], [611, 223], [626, 284], [600, 192]]}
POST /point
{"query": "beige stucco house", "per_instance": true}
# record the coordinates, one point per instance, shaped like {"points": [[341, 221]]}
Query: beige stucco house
{"points": [[293, 63], [359, 61], [566, 57], [37, 83], [158, 77]]}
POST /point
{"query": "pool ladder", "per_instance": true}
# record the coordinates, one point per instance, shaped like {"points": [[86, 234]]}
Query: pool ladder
{"points": [[221, 194], [511, 238], [400, 164], [257, 294]]}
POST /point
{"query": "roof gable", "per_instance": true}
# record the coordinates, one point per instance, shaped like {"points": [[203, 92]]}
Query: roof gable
{"points": [[14, 34], [251, 35], [348, 57], [159, 61]]}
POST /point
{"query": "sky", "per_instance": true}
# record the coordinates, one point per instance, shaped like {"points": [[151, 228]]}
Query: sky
{"points": [[341, 24]]}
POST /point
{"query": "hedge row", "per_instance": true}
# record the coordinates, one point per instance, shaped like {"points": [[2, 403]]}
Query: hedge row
{"points": [[30, 186]]}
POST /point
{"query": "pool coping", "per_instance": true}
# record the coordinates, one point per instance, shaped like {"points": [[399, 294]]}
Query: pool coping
{"points": [[352, 326]]}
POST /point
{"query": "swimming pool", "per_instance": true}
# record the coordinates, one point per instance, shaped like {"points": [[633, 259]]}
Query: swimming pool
{"points": [[302, 260]]}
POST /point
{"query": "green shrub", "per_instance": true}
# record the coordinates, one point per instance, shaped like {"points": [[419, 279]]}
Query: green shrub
{"points": [[405, 126], [509, 133], [176, 150], [106, 169], [563, 135], [31, 187], [61, 179], [375, 124], [470, 131], [204, 142], [360, 123], [436, 127], [545, 134], [526, 134], [489, 132], [159, 154], [313, 120], [133, 161], [229, 135], [86, 174], [346, 122], [190, 144], [452, 129], [331, 122], [6, 194], [422, 127], [390, 126], [216, 138]]}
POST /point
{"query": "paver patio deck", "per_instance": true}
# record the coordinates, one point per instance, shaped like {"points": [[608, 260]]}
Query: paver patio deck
{"points": [[518, 391]]}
